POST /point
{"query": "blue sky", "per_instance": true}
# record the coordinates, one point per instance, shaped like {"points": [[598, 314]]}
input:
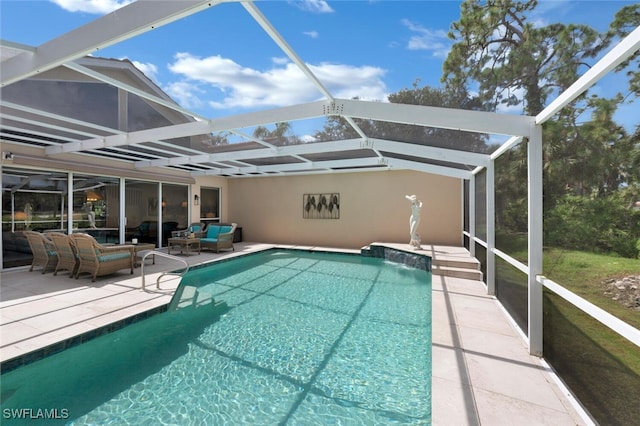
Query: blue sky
{"points": [[220, 62]]}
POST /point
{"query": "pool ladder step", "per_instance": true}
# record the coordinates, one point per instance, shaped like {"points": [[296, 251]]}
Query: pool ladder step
{"points": [[179, 272]]}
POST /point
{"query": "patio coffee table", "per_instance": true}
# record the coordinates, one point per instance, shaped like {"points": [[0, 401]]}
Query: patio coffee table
{"points": [[185, 243]]}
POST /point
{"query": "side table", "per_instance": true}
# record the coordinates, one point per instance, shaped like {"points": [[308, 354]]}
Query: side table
{"points": [[184, 243]]}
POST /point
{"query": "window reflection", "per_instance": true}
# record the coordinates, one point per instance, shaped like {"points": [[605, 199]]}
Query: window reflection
{"points": [[95, 207], [141, 210], [144, 210], [175, 208], [31, 200], [210, 202], [40, 200]]}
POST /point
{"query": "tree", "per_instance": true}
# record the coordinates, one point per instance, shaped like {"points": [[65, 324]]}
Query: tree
{"points": [[626, 20], [337, 128], [512, 61], [593, 158], [444, 138], [608, 149], [211, 140], [280, 135]]}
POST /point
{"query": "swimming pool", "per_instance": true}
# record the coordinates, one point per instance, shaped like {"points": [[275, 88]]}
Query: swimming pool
{"points": [[281, 337]]}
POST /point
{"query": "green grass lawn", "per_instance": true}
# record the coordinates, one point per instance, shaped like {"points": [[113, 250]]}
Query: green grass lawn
{"points": [[601, 367], [583, 273]]}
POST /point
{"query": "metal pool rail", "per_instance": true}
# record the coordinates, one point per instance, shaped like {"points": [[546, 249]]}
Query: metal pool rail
{"points": [[160, 253]]}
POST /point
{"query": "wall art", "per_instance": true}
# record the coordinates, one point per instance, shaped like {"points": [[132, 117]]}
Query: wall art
{"points": [[321, 206]]}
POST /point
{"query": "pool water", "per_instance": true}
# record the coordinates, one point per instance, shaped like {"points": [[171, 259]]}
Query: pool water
{"points": [[281, 337]]}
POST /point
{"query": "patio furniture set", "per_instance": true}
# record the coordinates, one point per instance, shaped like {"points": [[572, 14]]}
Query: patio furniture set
{"points": [[80, 253], [213, 237]]}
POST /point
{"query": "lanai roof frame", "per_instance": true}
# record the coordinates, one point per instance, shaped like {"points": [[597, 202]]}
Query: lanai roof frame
{"points": [[68, 50]]}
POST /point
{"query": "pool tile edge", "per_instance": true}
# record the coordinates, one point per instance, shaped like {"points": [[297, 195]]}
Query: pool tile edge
{"points": [[38, 354]]}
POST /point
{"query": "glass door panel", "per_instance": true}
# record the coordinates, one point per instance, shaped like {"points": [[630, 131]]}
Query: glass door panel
{"points": [[96, 203], [142, 210], [34, 200]]}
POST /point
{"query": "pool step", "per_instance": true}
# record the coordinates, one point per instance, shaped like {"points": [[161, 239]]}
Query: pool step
{"points": [[456, 262], [446, 261], [450, 271]]}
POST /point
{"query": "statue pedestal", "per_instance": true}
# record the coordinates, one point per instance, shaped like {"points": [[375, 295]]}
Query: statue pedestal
{"points": [[415, 242]]}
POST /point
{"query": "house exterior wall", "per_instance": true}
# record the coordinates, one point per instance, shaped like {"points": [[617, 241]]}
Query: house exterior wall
{"points": [[372, 208], [270, 209]]}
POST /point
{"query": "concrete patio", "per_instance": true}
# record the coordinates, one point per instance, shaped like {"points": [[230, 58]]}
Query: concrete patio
{"points": [[482, 373]]}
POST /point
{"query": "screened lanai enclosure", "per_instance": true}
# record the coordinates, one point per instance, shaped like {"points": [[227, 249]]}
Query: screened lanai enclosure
{"points": [[65, 110]]}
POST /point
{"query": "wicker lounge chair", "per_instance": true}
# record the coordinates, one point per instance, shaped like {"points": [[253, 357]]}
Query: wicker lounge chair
{"points": [[44, 252], [97, 259], [196, 228], [219, 237], [67, 253]]}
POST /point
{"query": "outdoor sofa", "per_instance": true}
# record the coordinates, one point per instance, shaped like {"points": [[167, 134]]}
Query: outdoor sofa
{"points": [[97, 259], [218, 237], [16, 249]]}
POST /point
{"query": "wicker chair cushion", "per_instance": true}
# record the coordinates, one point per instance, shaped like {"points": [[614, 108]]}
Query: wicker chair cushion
{"points": [[113, 256]]}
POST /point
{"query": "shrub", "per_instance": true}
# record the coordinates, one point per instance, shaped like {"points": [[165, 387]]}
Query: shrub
{"points": [[595, 224]]}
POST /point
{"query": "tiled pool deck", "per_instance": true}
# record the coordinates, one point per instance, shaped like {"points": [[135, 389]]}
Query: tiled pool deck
{"points": [[482, 372]]}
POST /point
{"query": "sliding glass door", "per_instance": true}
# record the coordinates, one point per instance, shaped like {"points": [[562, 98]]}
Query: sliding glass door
{"points": [[32, 200], [148, 204], [40, 200]]}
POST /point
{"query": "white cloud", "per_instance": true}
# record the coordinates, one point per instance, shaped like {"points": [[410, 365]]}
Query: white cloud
{"points": [[91, 6], [516, 93], [347, 81], [551, 11], [185, 93], [283, 84], [316, 6], [148, 69], [312, 34], [426, 39]]}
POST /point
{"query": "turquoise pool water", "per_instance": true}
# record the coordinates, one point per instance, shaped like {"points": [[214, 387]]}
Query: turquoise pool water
{"points": [[281, 337]]}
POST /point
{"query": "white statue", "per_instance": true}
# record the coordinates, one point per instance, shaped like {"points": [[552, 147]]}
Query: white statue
{"points": [[91, 215], [28, 213], [414, 221]]}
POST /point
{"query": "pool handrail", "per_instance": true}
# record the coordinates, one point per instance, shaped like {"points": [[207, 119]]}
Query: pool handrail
{"points": [[163, 254]]}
